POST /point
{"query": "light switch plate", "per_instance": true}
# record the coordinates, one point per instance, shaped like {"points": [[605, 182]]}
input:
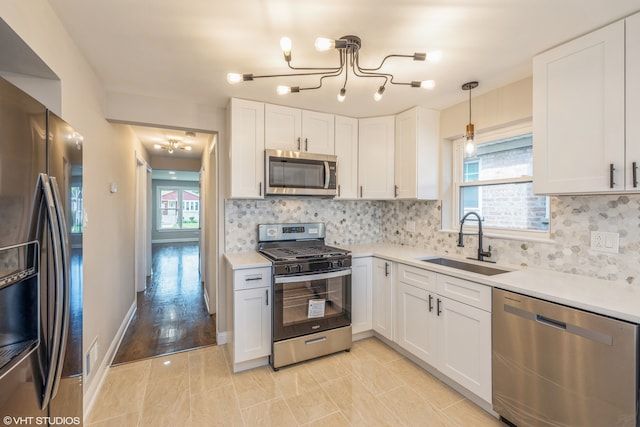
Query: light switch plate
{"points": [[602, 241]]}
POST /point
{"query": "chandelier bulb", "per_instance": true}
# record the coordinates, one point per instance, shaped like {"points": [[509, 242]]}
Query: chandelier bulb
{"points": [[342, 95], [283, 90], [285, 44], [427, 84], [435, 56], [378, 95], [323, 44], [234, 78]]}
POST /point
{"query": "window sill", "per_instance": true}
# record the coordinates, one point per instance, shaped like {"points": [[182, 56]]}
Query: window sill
{"points": [[529, 236]]}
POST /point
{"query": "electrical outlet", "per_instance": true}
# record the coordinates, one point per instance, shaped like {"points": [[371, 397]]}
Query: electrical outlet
{"points": [[602, 241], [410, 226]]}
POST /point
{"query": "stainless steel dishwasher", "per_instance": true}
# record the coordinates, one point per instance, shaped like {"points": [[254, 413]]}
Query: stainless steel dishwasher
{"points": [[559, 366]]}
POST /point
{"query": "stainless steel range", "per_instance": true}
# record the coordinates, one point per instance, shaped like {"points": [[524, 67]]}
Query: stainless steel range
{"points": [[311, 292]]}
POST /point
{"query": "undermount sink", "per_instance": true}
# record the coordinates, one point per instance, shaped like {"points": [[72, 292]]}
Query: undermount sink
{"points": [[466, 266]]}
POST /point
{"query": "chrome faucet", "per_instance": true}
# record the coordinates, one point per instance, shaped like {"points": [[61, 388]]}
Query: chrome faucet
{"points": [[481, 253]]}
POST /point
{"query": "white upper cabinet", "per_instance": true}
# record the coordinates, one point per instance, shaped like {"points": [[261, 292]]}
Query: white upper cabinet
{"points": [[579, 114], [346, 143], [293, 129], [417, 154], [375, 158], [633, 102], [283, 128], [318, 133], [246, 149]]}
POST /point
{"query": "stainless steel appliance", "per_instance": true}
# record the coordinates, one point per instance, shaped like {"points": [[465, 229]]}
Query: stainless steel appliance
{"points": [[297, 173], [311, 292], [40, 264], [559, 366]]}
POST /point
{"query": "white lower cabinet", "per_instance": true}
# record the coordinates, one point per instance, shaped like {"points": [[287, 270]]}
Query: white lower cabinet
{"points": [[251, 338], [464, 344], [452, 335], [361, 295], [416, 327], [383, 297]]}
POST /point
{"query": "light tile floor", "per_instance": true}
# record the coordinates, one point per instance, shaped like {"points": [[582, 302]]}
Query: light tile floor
{"points": [[372, 385]]}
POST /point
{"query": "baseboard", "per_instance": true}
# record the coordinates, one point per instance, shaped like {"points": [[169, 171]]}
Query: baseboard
{"points": [[362, 335], [206, 298], [222, 338], [91, 393]]}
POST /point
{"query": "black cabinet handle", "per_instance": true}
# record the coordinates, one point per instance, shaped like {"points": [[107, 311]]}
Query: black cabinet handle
{"points": [[611, 169], [260, 189], [634, 168], [338, 190], [361, 191], [298, 143], [395, 191], [430, 303], [266, 292], [306, 144], [386, 269], [438, 311]]}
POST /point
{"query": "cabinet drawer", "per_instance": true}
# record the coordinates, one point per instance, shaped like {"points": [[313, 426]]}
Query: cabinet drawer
{"points": [[464, 291], [422, 279], [251, 278]]}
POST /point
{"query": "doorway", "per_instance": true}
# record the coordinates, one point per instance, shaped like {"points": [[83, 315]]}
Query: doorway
{"points": [[171, 312]]}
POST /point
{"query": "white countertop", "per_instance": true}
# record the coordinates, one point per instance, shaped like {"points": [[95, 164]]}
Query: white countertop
{"points": [[616, 299], [243, 260]]}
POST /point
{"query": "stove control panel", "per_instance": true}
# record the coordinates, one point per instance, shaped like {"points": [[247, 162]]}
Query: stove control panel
{"points": [[283, 232]]}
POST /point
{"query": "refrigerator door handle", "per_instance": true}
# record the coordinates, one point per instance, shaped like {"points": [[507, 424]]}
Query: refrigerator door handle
{"points": [[57, 314], [65, 287]]}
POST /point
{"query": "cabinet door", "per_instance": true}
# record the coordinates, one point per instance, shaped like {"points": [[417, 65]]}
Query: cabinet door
{"points": [[464, 345], [578, 114], [416, 321], [633, 102], [346, 149], [318, 133], [383, 298], [406, 159], [375, 158], [361, 295], [282, 128], [246, 149], [252, 324]]}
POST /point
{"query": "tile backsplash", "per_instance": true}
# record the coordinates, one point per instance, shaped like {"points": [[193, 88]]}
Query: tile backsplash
{"points": [[347, 221], [351, 222]]}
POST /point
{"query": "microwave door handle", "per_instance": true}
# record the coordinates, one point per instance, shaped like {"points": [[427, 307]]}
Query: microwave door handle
{"points": [[327, 175]]}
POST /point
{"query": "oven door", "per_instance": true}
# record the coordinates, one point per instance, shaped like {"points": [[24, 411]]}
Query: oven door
{"points": [[311, 303]]}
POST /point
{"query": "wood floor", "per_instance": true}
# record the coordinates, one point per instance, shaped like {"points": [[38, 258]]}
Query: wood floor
{"points": [[171, 315]]}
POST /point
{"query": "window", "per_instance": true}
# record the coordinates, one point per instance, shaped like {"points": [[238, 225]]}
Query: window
{"points": [[75, 207], [178, 208], [497, 183]]}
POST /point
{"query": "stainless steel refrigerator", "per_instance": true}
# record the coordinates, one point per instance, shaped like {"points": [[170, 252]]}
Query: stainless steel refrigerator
{"points": [[41, 219]]}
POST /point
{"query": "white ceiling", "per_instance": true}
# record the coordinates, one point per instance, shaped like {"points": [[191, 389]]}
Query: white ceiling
{"points": [[150, 136], [183, 49]]}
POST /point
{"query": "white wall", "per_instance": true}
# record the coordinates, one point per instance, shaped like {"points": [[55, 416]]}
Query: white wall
{"points": [[108, 157]]}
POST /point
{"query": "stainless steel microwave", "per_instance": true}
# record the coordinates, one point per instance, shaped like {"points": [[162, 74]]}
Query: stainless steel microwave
{"points": [[295, 173]]}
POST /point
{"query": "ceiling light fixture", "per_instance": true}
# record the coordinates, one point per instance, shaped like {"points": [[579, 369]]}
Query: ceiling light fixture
{"points": [[174, 144], [469, 145], [348, 48]]}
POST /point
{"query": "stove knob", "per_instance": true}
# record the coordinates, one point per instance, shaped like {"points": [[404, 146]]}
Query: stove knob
{"points": [[287, 268], [299, 268], [340, 263]]}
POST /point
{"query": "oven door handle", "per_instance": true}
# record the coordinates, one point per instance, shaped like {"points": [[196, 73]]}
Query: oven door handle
{"points": [[327, 175], [321, 276]]}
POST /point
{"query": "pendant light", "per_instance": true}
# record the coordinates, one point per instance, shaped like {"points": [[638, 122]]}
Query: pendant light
{"points": [[469, 144]]}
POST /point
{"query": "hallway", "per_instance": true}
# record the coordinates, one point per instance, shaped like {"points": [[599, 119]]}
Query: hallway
{"points": [[171, 315]]}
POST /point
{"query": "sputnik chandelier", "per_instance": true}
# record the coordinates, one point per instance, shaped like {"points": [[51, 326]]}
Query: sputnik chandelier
{"points": [[173, 145], [348, 48]]}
